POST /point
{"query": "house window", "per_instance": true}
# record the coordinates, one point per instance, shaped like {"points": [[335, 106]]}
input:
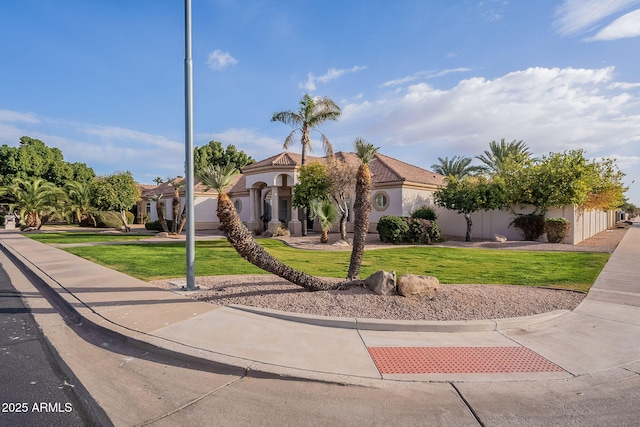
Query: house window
{"points": [[283, 214], [238, 205], [380, 200]]}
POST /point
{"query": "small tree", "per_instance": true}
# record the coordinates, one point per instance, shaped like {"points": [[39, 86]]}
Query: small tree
{"points": [[326, 213], [342, 176], [313, 184], [469, 195], [33, 198], [117, 192], [79, 197]]}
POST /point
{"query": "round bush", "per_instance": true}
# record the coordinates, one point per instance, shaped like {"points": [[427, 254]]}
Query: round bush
{"points": [[156, 226], [556, 229], [392, 229], [531, 225], [425, 213]]}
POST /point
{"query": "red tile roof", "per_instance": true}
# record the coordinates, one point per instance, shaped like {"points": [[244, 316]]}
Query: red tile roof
{"points": [[384, 169]]}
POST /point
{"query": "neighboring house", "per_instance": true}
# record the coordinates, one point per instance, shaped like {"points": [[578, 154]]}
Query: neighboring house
{"points": [[262, 196]]}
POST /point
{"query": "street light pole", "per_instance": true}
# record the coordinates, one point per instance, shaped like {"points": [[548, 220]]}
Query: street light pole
{"points": [[189, 175]]}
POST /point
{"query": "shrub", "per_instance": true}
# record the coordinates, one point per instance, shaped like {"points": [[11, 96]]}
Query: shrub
{"points": [[531, 225], [425, 212], [419, 230], [393, 229], [156, 226], [556, 229], [279, 231], [103, 220], [130, 217]]}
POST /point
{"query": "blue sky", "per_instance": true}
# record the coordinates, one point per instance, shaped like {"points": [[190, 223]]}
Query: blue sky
{"points": [[103, 80]]}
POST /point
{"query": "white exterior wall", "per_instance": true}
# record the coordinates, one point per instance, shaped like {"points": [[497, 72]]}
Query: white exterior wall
{"points": [[486, 224], [204, 211], [401, 202]]}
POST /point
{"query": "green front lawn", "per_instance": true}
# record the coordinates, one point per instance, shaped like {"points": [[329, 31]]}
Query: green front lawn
{"points": [[571, 270]]}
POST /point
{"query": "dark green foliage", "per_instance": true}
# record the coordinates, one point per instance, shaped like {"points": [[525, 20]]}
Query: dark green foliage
{"points": [[156, 226], [425, 212], [392, 229], [104, 219], [556, 229], [422, 231], [213, 154], [531, 225], [313, 184], [399, 229], [33, 159]]}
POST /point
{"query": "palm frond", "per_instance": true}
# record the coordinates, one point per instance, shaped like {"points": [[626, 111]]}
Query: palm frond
{"points": [[364, 150], [218, 177]]}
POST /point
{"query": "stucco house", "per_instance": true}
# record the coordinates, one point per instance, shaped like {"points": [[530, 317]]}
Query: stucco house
{"points": [[262, 196], [262, 193]]}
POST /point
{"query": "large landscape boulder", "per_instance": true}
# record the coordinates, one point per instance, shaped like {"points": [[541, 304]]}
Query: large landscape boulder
{"points": [[416, 286], [382, 282]]}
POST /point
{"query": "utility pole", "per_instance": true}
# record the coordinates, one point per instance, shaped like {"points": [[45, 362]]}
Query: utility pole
{"points": [[188, 92]]}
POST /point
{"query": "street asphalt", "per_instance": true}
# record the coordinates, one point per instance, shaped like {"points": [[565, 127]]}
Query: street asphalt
{"points": [[579, 367]]}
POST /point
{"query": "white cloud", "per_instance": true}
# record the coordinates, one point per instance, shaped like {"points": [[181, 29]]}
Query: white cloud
{"points": [[552, 109], [219, 60], [577, 16], [624, 27], [16, 116], [424, 75], [112, 133], [332, 74], [493, 10]]}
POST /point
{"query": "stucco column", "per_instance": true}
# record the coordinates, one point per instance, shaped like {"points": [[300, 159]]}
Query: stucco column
{"points": [[295, 226], [253, 219], [252, 205], [275, 207]]}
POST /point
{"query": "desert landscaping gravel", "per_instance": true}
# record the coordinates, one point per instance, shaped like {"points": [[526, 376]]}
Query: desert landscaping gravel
{"points": [[453, 302]]}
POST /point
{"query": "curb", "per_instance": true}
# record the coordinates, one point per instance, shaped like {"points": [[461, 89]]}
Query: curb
{"points": [[451, 326]]}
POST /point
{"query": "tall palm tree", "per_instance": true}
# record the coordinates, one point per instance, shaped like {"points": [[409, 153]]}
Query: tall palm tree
{"points": [[311, 114], [362, 205], [241, 239], [458, 166], [33, 198], [79, 195], [326, 213], [157, 198], [498, 153]]}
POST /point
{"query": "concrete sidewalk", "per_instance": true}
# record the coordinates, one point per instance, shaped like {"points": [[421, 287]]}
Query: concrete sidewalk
{"points": [[602, 334]]}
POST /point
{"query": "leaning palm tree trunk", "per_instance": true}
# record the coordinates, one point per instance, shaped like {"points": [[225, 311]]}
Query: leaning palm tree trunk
{"points": [[183, 219], [362, 211], [161, 218], [361, 206], [242, 241]]}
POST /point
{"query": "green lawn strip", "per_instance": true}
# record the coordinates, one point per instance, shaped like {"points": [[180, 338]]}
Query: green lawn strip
{"points": [[69, 237], [570, 270]]}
